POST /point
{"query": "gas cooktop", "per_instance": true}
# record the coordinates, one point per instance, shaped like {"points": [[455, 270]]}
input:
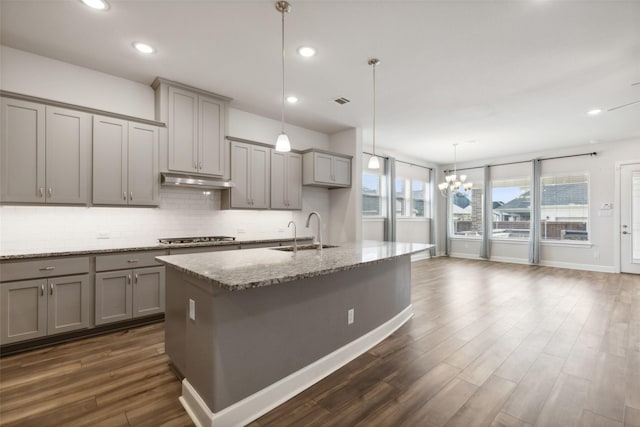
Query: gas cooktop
{"points": [[200, 239]]}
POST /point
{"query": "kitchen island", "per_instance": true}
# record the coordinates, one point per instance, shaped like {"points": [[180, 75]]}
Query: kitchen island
{"points": [[249, 329]]}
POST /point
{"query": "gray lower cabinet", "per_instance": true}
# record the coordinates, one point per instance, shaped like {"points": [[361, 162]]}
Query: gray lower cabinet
{"points": [[286, 180], [125, 162], [129, 294], [43, 153], [40, 307]]}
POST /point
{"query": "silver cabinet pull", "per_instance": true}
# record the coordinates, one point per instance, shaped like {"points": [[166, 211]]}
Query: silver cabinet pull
{"points": [[129, 279], [42, 289], [130, 195], [41, 192], [50, 268], [195, 165], [200, 165], [625, 232], [136, 278], [134, 260], [50, 191], [124, 195], [50, 288]]}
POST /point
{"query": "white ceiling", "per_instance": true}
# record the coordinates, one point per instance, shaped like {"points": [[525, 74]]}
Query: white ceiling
{"points": [[515, 76]]}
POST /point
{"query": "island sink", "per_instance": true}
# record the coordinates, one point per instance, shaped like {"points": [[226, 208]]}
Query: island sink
{"points": [[303, 247]]}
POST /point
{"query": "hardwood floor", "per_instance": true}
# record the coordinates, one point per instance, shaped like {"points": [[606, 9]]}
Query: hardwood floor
{"points": [[490, 345]]}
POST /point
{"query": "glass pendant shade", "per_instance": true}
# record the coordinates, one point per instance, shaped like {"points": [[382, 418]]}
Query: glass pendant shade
{"points": [[282, 143], [374, 163]]}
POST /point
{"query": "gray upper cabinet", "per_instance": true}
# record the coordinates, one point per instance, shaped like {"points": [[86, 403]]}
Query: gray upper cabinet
{"points": [[196, 123], [324, 169], [44, 153], [250, 172], [286, 180], [125, 162]]}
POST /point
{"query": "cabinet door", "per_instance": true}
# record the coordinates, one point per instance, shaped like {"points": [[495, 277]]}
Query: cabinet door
{"points": [[22, 151], [183, 138], [210, 136], [143, 165], [68, 305], [342, 171], [148, 291], [67, 137], [323, 167], [278, 180], [294, 181], [23, 310], [240, 174], [113, 296], [110, 161], [260, 176]]}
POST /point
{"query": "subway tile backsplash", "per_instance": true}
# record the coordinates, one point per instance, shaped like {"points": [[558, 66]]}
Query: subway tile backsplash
{"points": [[182, 212]]}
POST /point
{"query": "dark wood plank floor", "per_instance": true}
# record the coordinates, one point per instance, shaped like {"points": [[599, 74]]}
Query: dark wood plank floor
{"points": [[490, 345]]}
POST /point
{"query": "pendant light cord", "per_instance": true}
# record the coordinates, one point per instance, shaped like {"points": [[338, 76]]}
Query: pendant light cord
{"points": [[282, 116], [374, 108]]}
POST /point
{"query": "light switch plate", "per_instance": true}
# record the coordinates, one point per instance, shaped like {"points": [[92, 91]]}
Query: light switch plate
{"points": [[192, 309]]}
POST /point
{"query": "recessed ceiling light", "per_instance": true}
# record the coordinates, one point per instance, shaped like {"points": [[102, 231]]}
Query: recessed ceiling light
{"points": [[143, 47], [96, 4], [306, 51], [594, 112], [292, 99]]}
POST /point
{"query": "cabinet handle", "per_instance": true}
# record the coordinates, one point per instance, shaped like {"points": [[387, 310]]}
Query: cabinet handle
{"points": [[124, 195], [41, 191], [50, 268], [130, 195], [50, 192], [50, 288], [195, 165], [136, 278], [134, 260], [199, 165], [42, 290], [129, 279]]}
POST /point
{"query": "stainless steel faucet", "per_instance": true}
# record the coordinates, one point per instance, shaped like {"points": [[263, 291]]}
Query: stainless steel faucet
{"points": [[319, 233], [295, 236]]}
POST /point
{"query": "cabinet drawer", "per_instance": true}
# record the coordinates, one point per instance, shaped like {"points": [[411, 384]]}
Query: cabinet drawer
{"points": [[127, 260], [21, 270]]}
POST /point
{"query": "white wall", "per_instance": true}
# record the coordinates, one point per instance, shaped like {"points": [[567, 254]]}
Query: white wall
{"points": [[600, 254], [182, 212], [346, 203]]}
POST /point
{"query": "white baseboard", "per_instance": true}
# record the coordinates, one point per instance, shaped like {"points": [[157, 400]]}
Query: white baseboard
{"points": [[420, 256], [252, 407], [567, 265], [464, 255]]}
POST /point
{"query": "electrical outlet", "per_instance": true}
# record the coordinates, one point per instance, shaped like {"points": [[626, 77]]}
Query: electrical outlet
{"points": [[596, 255], [192, 309], [242, 230], [350, 315], [104, 235]]}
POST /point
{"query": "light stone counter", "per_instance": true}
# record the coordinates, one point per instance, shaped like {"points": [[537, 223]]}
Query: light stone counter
{"points": [[253, 268]]}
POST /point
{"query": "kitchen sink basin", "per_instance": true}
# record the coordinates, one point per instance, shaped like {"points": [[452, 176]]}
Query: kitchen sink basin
{"points": [[303, 247]]}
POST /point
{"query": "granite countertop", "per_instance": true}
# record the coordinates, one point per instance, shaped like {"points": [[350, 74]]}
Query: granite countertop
{"points": [[252, 268], [16, 255]]}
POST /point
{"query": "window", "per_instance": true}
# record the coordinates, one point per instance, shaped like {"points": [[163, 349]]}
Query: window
{"points": [[401, 208], [418, 198], [466, 212], [372, 201], [564, 207], [511, 203]]}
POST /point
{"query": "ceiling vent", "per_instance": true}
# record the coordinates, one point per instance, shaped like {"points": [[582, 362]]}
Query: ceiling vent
{"points": [[341, 101]]}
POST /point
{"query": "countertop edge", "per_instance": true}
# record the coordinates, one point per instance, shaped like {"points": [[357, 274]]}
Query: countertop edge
{"points": [[159, 246]]}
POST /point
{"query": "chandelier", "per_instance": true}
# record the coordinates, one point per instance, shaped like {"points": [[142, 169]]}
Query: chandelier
{"points": [[453, 182]]}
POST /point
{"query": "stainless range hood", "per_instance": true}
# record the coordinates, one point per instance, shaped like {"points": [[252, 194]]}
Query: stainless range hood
{"points": [[192, 181]]}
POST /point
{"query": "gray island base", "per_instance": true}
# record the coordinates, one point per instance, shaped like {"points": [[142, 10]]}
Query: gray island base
{"points": [[250, 329]]}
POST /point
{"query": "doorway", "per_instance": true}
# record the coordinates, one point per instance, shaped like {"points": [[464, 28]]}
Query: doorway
{"points": [[630, 218]]}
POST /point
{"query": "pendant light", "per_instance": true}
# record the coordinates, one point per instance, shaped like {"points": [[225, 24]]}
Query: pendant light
{"points": [[374, 163], [282, 143], [453, 182]]}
